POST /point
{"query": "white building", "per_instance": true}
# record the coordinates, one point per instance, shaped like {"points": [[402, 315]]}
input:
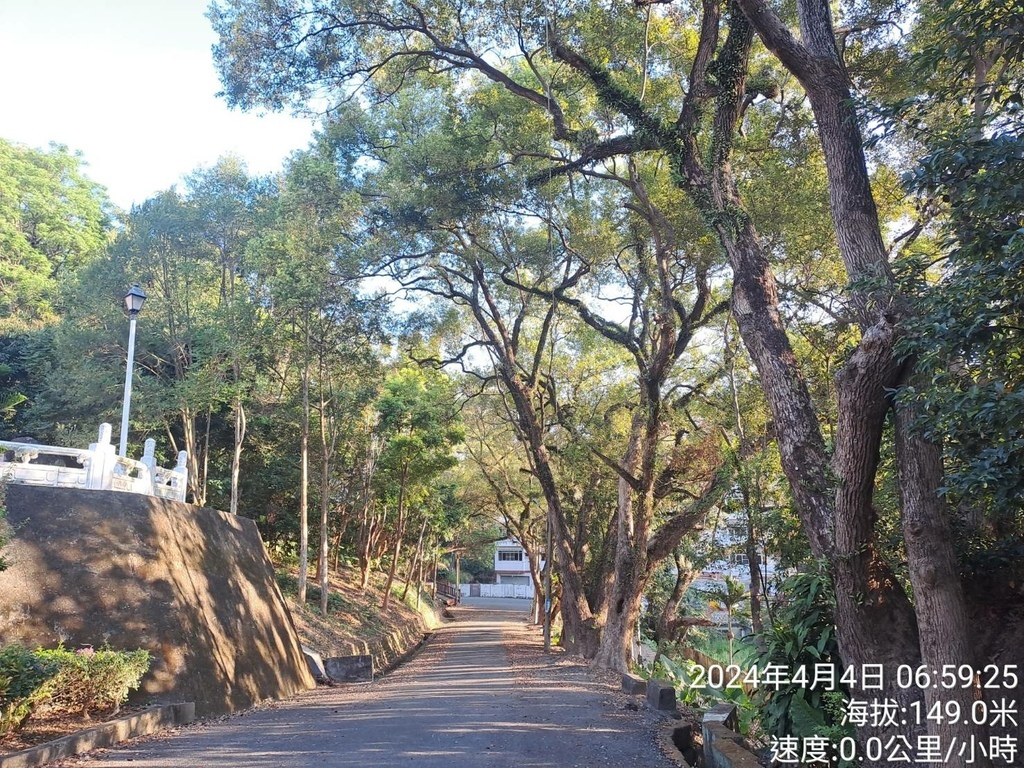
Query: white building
{"points": [[730, 539], [511, 564], [512, 574]]}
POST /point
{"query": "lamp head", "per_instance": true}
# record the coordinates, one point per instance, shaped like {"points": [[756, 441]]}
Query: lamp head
{"points": [[134, 299]]}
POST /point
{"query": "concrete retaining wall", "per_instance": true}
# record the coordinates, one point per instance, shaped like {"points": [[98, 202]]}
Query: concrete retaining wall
{"points": [[387, 652], [144, 723], [193, 586], [723, 746]]}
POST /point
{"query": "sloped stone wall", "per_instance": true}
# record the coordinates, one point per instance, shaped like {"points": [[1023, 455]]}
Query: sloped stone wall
{"points": [[191, 585]]}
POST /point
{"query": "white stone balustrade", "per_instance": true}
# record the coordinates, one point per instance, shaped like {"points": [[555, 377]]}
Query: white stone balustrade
{"points": [[100, 468]]}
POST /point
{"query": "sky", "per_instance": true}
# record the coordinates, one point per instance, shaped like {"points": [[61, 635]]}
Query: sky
{"points": [[130, 84]]}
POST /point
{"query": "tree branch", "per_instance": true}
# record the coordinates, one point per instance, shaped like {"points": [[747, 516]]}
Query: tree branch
{"points": [[777, 38]]}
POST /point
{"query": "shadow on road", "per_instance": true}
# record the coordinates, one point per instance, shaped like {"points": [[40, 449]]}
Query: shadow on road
{"points": [[481, 693]]}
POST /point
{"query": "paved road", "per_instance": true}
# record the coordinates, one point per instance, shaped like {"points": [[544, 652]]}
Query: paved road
{"points": [[481, 694]]}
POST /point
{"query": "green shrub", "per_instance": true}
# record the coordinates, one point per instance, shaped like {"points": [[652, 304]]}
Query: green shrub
{"points": [[802, 638], [23, 678], [88, 680]]}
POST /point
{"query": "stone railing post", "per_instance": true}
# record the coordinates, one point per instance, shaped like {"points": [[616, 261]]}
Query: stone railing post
{"points": [[149, 454], [149, 459], [100, 470], [181, 470]]}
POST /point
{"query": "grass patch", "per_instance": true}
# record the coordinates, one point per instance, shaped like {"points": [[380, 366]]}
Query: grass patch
{"points": [[355, 618]]}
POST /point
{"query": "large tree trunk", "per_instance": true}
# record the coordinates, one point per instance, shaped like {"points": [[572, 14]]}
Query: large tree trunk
{"points": [[939, 600], [939, 603], [870, 605], [877, 622], [620, 626], [874, 620], [623, 604], [635, 512], [236, 454]]}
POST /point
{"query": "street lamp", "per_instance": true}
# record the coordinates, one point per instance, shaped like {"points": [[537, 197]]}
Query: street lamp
{"points": [[133, 301]]}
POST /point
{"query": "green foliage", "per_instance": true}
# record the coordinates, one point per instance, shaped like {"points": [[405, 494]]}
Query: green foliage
{"points": [[968, 336], [806, 721], [682, 676], [418, 418], [53, 221], [967, 333], [444, 184], [65, 682], [972, 50], [479, 569], [22, 677], [89, 680], [802, 636], [692, 690], [10, 398], [728, 596]]}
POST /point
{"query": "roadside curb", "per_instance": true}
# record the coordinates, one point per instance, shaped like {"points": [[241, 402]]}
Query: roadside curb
{"points": [[397, 647], [140, 724]]}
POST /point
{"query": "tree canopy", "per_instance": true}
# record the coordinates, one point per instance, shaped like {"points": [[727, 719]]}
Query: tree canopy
{"points": [[629, 272]]}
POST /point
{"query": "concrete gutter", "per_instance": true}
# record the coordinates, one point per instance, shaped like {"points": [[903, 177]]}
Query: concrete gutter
{"points": [[128, 727], [723, 746]]}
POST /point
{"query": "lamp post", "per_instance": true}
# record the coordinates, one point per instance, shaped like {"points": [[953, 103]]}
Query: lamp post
{"points": [[133, 301]]}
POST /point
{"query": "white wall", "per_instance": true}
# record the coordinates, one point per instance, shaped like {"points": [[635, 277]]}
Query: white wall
{"points": [[522, 591]]}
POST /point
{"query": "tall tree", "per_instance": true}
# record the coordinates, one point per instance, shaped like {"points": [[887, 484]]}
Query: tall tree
{"points": [[419, 423], [321, 323], [684, 103], [657, 334], [939, 607], [966, 336], [229, 207], [53, 221]]}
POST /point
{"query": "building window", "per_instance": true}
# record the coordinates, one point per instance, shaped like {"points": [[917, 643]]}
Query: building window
{"points": [[738, 559], [511, 556]]}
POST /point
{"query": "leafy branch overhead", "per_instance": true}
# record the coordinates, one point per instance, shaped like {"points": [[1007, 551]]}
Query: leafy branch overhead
{"points": [[629, 271]]}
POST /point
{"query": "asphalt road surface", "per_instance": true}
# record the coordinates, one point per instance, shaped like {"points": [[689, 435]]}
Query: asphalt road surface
{"points": [[480, 694]]}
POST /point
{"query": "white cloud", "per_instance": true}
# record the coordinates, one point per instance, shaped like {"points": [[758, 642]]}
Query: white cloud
{"points": [[132, 86]]}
